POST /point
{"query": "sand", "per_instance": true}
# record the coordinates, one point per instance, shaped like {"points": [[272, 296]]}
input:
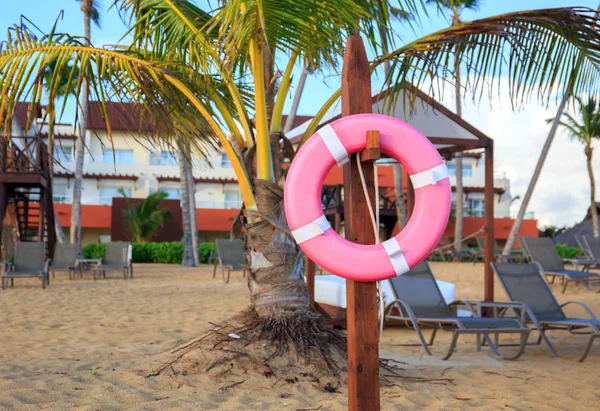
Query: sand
{"points": [[89, 345]]}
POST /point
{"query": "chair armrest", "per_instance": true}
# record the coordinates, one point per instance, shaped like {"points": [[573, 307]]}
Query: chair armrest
{"points": [[585, 307], [513, 304], [454, 304]]}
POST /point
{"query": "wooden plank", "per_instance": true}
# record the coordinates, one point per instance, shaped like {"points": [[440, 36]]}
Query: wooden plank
{"points": [[372, 152], [310, 280], [361, 298], [489, 222]]}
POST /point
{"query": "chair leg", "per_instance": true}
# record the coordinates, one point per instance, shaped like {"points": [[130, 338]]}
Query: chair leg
{"points": [[588, 347], [547, 341], [565, 287], [421, 338], [452, 346], [12, 282], [4, 281], [215, 268]]}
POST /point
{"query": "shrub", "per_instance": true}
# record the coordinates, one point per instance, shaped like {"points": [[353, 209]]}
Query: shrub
{"points": [[94, 251], [568, 252], [160, 253]]}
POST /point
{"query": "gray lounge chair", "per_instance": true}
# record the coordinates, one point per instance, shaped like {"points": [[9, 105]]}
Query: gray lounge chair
{"points": [[116, 258], [30, 261], [515, 254], [542, 251], [65, 259], [525, 284], [229, 256], [420, 303]]}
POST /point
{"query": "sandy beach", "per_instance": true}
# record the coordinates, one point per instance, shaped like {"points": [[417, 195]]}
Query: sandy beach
{"points": [[90, 345]]}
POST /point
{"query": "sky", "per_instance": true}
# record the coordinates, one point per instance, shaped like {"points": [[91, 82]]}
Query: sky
{"points": [[562, 194]]}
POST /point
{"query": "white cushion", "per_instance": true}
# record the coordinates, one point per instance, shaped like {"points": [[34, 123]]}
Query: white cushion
{"points": [[331, 290]]}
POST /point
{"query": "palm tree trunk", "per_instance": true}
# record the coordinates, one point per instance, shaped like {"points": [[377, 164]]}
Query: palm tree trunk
{"points": [[514, 231], [192, 206], [399, 196], [86, 7], [188, 248], [397, 168], [593, 207], [296, 101], [60, 234], [458, 228]]}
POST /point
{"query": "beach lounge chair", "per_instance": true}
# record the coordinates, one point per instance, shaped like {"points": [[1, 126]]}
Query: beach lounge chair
{"points": [[498, 256], [117, 258], [525, 284], [229, 256], [30, 261], [542, 251], [65, 259], [421, 305]]}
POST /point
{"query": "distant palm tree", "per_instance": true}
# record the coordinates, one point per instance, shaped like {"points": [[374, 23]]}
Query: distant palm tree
{"points": [[586, 130], [145, 219], [91, 13], [456, 7]]}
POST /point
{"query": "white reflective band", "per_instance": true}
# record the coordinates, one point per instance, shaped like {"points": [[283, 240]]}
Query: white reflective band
{"points": [[334, 144], [394, 252], [310, 230], [429, 177]]}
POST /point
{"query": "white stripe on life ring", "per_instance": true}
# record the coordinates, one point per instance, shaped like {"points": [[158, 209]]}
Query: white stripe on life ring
{"points": [[334, 144], [310, 230], [429, 177], [394, 252]]}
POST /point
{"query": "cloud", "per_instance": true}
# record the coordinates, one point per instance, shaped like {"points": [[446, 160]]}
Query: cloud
{"points": [[561, 196]]}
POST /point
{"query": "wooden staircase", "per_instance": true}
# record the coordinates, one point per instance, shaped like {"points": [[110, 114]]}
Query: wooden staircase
{"points": [[26, 185]]}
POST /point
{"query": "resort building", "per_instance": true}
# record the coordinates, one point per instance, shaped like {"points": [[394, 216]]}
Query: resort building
{"points": [[132, 163]]}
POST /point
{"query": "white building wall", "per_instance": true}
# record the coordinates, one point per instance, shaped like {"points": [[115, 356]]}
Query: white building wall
{"points": [[208, 195]]}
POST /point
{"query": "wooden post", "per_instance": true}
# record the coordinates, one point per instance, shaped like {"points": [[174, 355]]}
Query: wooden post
{"points": [[310, 280], [489, 222], [361, 298]]}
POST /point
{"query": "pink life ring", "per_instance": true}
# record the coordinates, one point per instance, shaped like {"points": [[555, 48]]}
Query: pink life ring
{"points": [[332, 144]]}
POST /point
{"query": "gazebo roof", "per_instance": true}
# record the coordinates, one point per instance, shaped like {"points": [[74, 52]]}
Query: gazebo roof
{"points": [[444, 128]]}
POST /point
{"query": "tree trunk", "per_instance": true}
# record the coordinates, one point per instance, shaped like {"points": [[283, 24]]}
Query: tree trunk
{"points": [[593, 207], [397, 168], [289, 122], [399, 196], [269, 71], [86, 7], [514, 231], [458, 227], [60, 234], [188, 248], [277, 288], [192, 206]]}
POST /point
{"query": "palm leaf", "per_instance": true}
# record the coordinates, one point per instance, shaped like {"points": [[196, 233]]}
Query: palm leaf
{"points": [[170, 98], [536, 50]]}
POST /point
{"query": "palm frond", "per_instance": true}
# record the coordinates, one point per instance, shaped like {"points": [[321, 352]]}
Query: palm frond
{"points": [[171, 100], [537, 51]]}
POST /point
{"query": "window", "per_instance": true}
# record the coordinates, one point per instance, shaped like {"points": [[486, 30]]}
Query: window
{"points": [[233, 199], [60, 193], [174, 193], [467, 170], [225, 162], [107, 194], [63, 153], [118, 156], [474, 208], [104, 238], [163, 158]]}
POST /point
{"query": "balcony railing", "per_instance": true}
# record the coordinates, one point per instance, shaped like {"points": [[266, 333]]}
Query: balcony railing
{"points": [[222, 204]]}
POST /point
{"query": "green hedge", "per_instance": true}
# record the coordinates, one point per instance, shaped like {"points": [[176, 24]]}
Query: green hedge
{"points": [[568, 252], [161, 253]]}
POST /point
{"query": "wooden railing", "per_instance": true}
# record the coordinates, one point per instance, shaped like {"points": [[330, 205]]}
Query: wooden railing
{"points": [[32, 157]]}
